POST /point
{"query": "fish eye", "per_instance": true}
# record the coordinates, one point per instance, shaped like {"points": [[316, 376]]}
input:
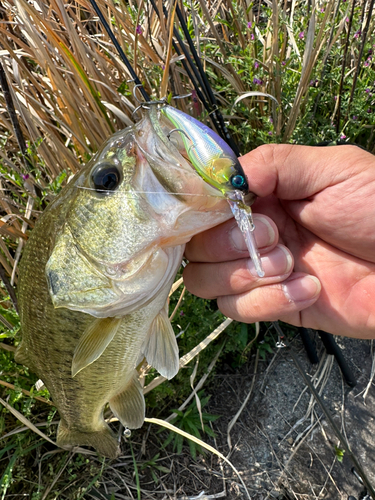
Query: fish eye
{"points": [[106, 177], [238, 181]]}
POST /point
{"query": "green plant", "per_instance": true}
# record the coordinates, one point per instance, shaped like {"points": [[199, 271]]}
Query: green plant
{"points": [[152, 466], [339, 452], [194, 422]]}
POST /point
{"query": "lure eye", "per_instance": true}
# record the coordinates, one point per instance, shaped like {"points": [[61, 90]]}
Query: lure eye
{"points": [[238, 181], [106, 177]]}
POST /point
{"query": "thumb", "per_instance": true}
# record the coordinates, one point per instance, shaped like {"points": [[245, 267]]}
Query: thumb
{"points": [[293, 172]]}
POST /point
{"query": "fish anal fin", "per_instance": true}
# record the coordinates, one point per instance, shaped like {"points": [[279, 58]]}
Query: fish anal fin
{"points": [[129, 405], [103, 440], [93, 342], [161, 349]]}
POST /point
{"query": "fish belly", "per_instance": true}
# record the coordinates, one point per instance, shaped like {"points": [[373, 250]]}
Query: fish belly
{"points": [[49, 340]]}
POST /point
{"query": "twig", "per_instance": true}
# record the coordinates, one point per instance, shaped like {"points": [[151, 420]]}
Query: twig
{"points": [[336, 430], [198, 386], [190, 355], [29, 207], [7, 347], [6, 323], [235, 418], [57, 476], [24, 391], [372, 375], [178, 304]]}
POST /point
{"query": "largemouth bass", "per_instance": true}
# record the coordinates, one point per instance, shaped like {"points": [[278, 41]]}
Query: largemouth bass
{"points": [[96, 272]]}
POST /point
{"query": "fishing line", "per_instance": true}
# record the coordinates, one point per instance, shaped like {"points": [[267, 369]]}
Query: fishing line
{"points": [[113, 193]]}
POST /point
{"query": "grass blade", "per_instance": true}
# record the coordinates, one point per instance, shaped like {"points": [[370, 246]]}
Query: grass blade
{"points": [[173, 428]]}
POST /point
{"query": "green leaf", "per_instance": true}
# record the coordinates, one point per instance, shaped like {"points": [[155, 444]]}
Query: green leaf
{"points": [[339, 452]]}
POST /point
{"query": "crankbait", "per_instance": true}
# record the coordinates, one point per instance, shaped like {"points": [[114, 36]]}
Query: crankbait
{"points": [[217, 164]]}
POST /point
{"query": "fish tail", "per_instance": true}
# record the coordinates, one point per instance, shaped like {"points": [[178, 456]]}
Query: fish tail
{"points": [[103, 440]]}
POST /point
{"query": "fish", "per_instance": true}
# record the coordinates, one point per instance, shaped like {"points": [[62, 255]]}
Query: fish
{"points": [[97, 269]]}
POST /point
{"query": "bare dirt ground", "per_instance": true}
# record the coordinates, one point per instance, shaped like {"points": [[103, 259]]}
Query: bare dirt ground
{"points": [[282, 444]]}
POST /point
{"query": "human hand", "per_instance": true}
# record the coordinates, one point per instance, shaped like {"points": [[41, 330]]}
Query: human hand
{"points": [[321, 201]]}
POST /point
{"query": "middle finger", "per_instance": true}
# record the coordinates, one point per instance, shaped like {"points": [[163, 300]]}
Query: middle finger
{"points": [[225, 242], [211, 280]]}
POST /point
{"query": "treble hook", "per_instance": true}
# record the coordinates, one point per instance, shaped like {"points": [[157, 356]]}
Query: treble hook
{"points": [[182, 132], [136, 86], [182, 96]]}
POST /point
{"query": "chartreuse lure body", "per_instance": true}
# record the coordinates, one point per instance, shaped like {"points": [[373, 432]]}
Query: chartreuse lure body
{"points": [[218, 165], [211, 157]]}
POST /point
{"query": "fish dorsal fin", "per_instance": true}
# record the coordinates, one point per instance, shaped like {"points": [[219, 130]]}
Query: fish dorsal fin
{"points": [[93, 342], [161, 349]]}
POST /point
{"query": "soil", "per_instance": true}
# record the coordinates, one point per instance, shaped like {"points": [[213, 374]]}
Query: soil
{"points": [[282, 444]]}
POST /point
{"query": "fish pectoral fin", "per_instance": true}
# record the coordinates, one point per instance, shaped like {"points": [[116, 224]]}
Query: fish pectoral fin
{"points": [[129, 405], [161, 349], [93, 342]]}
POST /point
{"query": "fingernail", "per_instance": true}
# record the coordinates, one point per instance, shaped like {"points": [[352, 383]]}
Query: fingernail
{"points": [[275, 263], [264, 232], [300, 289], [264, 235]]}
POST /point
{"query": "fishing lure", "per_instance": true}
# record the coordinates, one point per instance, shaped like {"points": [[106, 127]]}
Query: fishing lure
{"points": [[218, 165]]}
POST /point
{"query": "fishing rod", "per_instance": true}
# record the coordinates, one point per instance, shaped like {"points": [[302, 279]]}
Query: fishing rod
{"points": [[131, 70], [216, 112], [201, 76], [125, 60], [183, 61], [197, 78]]}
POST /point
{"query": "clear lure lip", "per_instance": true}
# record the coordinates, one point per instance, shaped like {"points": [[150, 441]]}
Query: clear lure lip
{"points": [[245, 222]]}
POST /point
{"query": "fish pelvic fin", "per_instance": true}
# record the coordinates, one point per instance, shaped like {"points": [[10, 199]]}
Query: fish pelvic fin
{"points": [[129, 405], [103, 440], [21, 356], [93, 342], [160, 348]]}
